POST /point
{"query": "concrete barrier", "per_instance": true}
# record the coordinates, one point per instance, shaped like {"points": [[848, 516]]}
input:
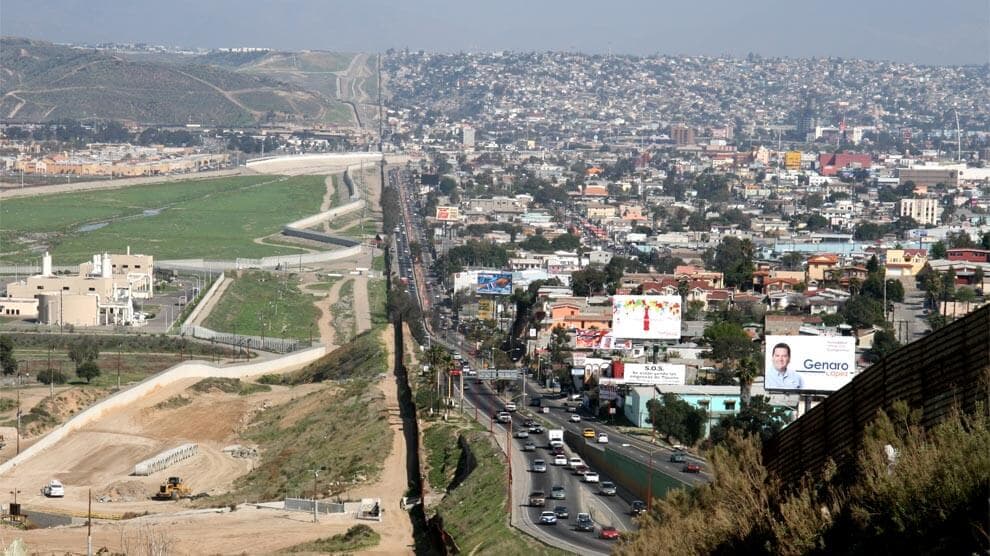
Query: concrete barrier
{"points": [[204, 301], [188, 369], [165, 459]]}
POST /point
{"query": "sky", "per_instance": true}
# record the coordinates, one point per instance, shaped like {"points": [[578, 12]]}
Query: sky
{"points": [[916, 31]]}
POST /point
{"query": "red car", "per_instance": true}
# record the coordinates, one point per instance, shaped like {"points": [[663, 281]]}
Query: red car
{"points": [[609, 533], [692, 468]]}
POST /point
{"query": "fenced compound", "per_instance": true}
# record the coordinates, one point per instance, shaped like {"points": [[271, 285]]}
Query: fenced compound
{"points": [[262, 343], [947, 370], [165, 459]]}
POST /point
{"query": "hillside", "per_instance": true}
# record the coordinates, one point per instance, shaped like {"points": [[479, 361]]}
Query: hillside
{"points": [[42, 81]]}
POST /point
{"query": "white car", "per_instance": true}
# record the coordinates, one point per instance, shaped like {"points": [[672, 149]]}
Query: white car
{"points": [[560, 460], [548, 518], [510, 406], [575, 418], [54, 489], [574, 462], [590, 477], [602, 438]]}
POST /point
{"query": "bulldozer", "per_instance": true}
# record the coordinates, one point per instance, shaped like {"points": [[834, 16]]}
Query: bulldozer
{"points": [[172, 489]]}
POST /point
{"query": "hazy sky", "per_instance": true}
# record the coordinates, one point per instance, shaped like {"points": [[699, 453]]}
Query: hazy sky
{"points": [[920, 31]]}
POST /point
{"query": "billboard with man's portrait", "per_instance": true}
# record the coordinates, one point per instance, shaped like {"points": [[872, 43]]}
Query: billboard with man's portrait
{"points": [[809, 363]]}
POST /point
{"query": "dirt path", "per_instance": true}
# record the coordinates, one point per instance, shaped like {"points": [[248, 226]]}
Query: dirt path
{"points": [[396, 528], [211, 303], [362, 307], [325, 322]]}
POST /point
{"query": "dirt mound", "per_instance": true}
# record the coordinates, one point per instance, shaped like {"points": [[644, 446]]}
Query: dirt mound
{"points": [[123, 491], [48, 413]]}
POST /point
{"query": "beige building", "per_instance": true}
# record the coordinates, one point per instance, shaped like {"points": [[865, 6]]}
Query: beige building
{"points": [[924, 211], [101, 294]]}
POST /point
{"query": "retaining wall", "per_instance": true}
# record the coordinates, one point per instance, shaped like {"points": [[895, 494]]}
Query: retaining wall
{"points": [[264, 263], [165, 459], [188, 369], [315, 219], [625, 471]]}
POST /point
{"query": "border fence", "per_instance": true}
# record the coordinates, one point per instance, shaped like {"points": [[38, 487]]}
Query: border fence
{"points": [[263, 343], [940, 373]]}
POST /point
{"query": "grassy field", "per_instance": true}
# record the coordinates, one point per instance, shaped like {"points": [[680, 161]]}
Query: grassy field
{"points": [[344, 323], [358, 537], [210, 219], [376, 300], [265, 304], [134, 367], [361, 358]]}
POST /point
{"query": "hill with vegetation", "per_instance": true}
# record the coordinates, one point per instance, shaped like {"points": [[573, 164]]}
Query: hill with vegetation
{"points": [[46, 82]]}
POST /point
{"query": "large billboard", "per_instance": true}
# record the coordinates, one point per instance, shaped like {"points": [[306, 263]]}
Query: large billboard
{"points": [[448, 214], [593, 338], [646, 317], [810, 363], [495, 283]]}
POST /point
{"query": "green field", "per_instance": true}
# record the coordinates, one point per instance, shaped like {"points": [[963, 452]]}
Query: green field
{"points": [[214, 219], [265, 304]]}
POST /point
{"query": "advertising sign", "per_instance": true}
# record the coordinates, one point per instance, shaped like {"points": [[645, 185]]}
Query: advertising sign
{"points": [[495, 283], [812, 363], [589, 339], [486, 309], [665, 374], [646, 317], [448, 214]]}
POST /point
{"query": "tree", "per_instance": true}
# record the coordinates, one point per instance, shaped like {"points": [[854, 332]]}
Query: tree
{"points": [[536, 243], [673, 417], [757, 417], [964, 294], [83, 350], [792, 260], [862, 311], [8, 363], [88, 370], [816, 222], [938, 251], [49, 376], [734, 258], [884, 343], [735, 353], [566, 242], [588, 281]]}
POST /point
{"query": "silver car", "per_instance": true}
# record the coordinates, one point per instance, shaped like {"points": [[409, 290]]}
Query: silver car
{"points": [[608, 488]]}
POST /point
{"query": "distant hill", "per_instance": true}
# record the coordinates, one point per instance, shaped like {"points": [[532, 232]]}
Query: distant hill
{"points": [[42, 81]]}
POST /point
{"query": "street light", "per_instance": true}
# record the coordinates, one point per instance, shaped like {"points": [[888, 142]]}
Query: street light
{"points": [[649, 486]]}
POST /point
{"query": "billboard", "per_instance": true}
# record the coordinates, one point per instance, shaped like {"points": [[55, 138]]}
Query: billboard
{"points": [[592, 338], [666, 374], [811, 363], [448, 214], [495, 283], [486, 309], [646, 317]]}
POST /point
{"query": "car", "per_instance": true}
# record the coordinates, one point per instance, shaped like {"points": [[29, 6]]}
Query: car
{"points": [[574, 461], [536, 429], [535, 402], [607, 488], [539, 466], [520, 433], [560, 459], [529, 423], [588, 433], [584, 523], [504, 417], [54, 489], [638, 507], [510, 406], [557, 492], [529, 447], [561, 512], [678, 457], [691, 468], [602, 438], [590, 477], [575, 418], [581, 470], [557, 450], [538, 498], [548, 518], [608, 533]]}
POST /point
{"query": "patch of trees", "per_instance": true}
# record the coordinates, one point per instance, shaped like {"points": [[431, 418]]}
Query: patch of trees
{"points": [[674, 418], [734, 258], [757, 418]]}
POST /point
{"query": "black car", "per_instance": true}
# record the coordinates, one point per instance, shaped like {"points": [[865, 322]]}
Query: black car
{"points": [[561, 512], [584, 523], [638, 507]]}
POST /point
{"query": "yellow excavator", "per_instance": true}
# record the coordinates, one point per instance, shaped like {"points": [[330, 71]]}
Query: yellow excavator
{"points": [[172, 489]]}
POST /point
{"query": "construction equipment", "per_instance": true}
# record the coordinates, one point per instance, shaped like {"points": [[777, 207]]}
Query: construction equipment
{"points": [[172, 489]]}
